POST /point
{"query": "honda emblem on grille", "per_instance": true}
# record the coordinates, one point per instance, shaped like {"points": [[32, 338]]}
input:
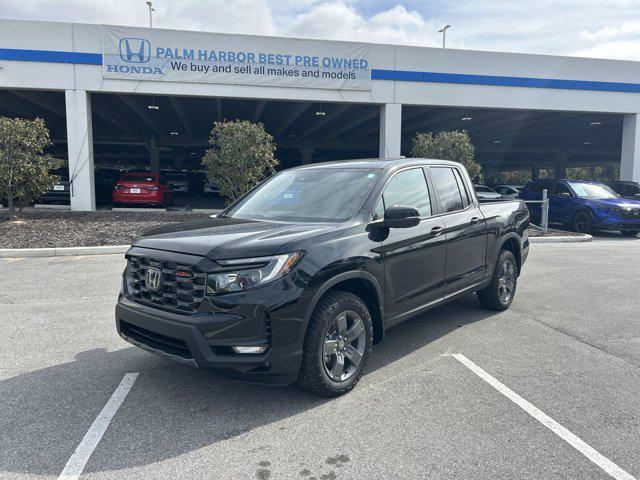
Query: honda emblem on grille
{"points": [[152, 278]]}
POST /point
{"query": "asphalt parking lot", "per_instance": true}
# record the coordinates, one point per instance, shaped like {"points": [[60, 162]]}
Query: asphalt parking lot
{"points": [[569, 345]]}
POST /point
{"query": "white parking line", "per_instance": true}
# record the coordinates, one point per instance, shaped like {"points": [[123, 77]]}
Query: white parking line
{"points": [[596, 457], [74, 467]]}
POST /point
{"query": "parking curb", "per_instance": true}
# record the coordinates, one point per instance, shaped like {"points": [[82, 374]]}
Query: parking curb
{"points": [[567, 239], [60, 252]]}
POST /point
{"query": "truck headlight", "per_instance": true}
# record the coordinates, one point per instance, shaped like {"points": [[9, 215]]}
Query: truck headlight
{"points": [[247, 273]]}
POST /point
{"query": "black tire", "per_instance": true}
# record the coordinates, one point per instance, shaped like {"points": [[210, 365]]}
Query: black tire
{"points": [[492, 297], [165, 201], [582, 222], [630, 233], [314, 373]]}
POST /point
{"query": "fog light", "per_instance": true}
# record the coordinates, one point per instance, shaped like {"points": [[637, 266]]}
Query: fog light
{"points": [[250, 349]]}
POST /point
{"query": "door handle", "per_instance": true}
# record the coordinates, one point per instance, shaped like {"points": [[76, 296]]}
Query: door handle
{"points": [[475, 220], [435, 231]]}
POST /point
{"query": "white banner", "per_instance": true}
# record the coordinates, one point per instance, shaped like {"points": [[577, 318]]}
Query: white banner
{"points": [[181, 56]]}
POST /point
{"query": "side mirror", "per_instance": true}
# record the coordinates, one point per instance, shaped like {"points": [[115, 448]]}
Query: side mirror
{"points": [[637, 195], [400, 216], [565, 194]]}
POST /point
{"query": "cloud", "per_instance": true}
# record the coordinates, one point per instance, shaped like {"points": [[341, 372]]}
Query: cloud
{"points": [[562, 27], [340, 21], [609, 33], [618, 50]]}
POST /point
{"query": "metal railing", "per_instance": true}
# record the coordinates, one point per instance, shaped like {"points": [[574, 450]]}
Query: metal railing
{"points": [[544, 216]]}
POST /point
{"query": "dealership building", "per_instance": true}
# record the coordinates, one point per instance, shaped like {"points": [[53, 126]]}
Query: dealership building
{"points": [[118, 98]]}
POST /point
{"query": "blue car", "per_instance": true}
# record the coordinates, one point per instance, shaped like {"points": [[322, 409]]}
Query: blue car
{"points": [[584, 206]]}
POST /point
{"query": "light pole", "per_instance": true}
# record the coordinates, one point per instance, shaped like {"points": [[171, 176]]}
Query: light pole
{"points": [[443, 32], [151, 10]]}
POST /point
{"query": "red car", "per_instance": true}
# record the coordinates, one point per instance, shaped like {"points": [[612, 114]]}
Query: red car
{"points": [[142, 188]]}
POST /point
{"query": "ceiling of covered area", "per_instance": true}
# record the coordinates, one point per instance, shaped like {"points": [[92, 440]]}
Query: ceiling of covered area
{"points": [[505, 139], [516, 139], [181, 126]]}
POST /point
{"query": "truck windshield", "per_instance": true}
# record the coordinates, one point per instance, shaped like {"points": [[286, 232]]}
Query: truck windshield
{"points": [[596, 191], [309, 195]]}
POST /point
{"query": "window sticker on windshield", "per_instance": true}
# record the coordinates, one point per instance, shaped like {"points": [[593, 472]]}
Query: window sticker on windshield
{"points": [[580, 191], [371, 175], [289, 196]]}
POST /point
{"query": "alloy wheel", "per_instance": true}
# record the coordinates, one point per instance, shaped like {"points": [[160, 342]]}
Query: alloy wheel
{"points": [[344, 345], [581, 223], [506, 281]]}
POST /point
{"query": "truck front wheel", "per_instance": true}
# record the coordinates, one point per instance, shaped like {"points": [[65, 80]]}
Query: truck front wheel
{"points": [[500, 292], [337, 345]]}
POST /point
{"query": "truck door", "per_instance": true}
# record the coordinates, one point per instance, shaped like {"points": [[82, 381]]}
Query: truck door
{"points": [[414, 258], [465, 228]]}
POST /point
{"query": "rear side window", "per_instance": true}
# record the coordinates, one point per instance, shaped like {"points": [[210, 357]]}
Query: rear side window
{"points": [[463, 189], [447, 189], [409, 188]]}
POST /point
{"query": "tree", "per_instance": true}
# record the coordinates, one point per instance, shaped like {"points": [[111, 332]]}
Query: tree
{"points": [[241, 154], [455, 145], [513, 177], [24, 168]]}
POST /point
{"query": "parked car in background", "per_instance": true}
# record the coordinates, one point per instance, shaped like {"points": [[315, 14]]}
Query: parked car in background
{"points": [[511, 191], [486, 193], [297, 279], [60, 193], [142, 188], [626, 189], [105, 179], [211, 189], [179, 182], [584, 206]]}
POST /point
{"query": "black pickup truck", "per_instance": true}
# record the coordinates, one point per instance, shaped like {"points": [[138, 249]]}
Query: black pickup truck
{"points": [[297, 279]]}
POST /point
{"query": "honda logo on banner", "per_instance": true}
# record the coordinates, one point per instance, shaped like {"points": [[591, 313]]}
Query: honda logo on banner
{"points": [[135, 50]]}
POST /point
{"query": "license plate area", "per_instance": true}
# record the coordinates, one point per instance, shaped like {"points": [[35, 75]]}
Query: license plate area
{"points": [[58, 188], [135, 190]]}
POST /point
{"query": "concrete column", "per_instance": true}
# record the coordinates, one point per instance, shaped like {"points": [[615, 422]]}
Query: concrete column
{"points": [[154, 156], [630, 157], [535, 172], [390, 130], [80, 150], [560, 168]]}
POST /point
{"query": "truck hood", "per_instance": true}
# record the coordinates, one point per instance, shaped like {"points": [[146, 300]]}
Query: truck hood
{"points": [[223, 238]]}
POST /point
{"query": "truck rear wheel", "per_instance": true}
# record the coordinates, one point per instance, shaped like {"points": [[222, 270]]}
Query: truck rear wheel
{"points": [[500, 292], [337, 345]]}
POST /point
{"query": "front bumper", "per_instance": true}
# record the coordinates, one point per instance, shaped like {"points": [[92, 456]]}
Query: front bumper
{"points": [[204, 339], [617, 223]]}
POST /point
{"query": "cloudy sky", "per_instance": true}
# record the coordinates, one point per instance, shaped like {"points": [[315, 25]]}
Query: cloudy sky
{"points": [[593, 28]]}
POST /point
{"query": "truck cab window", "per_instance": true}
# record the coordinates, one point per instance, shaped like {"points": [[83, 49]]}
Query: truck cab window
{"points": [[466, 201], [409, 188], [447, 189]]}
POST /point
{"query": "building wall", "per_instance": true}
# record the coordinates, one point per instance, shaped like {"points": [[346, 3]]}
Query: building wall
{"points": [[455, 89], [401, 75]]}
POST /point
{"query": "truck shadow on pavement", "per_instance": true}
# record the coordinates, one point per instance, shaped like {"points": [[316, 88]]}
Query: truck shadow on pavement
{"points": [[171, 409]]}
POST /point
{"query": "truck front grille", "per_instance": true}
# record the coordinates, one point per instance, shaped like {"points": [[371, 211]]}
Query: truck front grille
{"points": [[181, 287]]}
